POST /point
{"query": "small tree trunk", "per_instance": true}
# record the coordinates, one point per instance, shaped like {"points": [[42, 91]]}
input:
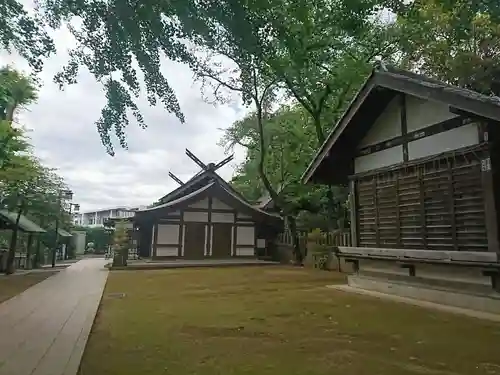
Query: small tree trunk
{"points": [[297, 252], [36, 260], [13, 243], [332, 212], [28, 264]]}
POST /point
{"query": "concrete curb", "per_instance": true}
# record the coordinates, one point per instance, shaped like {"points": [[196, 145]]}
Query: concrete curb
{"points": [[430, 305]]}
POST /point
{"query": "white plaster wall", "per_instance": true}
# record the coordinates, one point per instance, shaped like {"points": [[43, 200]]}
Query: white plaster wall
{"points": [[167, 251], [168, 234], [196, 216], [421, 113], [384, 158], [203, 203], [245, 251], [245, 236], [222, 217], [387, 125], [453, 139], [217, 204]]}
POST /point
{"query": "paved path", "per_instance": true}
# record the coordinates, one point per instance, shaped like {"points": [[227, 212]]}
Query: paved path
{"points": [[43, 331]]}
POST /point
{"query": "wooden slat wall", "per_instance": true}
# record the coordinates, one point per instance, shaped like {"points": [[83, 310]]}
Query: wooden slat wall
{"points": [[437, 205]]}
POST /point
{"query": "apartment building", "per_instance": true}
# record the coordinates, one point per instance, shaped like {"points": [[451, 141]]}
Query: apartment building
{"points": [[97, 218]]}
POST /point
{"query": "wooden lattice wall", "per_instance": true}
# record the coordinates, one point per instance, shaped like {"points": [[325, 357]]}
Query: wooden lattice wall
{"points": [[438, 205]]}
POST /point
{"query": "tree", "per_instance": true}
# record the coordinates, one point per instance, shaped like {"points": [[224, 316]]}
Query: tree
{"points": [[15, 90], [291, 141], [121, 245], [18, 182], [116, 40], [28, 188], [18, 90], [24, 33], [455, 41]]}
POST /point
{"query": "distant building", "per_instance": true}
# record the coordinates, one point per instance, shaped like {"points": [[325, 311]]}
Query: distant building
{"points": [[96, 218]]}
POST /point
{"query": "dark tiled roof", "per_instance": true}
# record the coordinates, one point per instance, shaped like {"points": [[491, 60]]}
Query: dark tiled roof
{"points": [[25, 224]]}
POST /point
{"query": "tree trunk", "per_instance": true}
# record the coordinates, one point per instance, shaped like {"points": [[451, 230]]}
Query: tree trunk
{"points": [[262, 160], [36, 261], [297, 252], [9, 269], [28, 264], [332, 223]]}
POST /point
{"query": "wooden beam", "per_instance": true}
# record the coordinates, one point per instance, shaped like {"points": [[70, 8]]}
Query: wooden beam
{"points": [[196, 160], [353, 211], [404, 127], [175, 178], [451, 202], [407, 137], [223, 162]]}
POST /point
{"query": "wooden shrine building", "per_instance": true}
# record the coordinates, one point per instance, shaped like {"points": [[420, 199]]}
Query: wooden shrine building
{"points": [[204, 218], [421, 159]]}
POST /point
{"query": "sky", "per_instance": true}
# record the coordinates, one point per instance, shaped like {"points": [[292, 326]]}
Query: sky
{"points": [[62, 130]]}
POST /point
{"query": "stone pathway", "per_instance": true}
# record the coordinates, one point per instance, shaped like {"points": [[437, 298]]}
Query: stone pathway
{"points": [[43, 331]]}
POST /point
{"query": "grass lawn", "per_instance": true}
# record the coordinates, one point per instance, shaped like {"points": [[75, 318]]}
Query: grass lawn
{"points": [[274, 320], [12, 285]]}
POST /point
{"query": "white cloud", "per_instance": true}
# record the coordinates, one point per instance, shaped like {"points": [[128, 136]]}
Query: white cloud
{"points": [[65, 137]]}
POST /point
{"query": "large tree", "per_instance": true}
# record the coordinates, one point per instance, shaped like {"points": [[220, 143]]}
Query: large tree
{"points": [[26, 186], [118, 39], [455, 41]]}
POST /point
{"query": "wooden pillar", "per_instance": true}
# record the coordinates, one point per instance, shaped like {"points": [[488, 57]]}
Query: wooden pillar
{"points": [[404, 127], [209, 230], [490, 178], [353, 211], [154, 239], [489, 205]]}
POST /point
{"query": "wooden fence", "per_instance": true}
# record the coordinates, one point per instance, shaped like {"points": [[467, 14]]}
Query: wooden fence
{"points": [[337, 238]]}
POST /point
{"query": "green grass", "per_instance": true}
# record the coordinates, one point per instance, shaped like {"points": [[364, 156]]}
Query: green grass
{"points": [[13, 285], [274, 320]]}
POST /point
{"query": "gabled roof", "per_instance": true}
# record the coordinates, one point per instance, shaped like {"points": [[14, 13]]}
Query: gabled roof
{"points": [[25, 224], [335, 155], [225, 195], [198, 180]]}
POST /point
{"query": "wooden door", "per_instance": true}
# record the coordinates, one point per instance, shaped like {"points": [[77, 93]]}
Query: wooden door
{"points": [[221, 240], [194, 240]]}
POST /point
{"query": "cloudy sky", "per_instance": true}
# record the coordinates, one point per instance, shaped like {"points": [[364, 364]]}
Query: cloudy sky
{"points": [[65, 137]]}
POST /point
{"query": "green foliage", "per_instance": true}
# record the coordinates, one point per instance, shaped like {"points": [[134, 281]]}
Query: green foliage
{"points": [[456, 41], [119, 40], [98, 237], [24, 33], [26, 186], [290, 140], [121, 245]]}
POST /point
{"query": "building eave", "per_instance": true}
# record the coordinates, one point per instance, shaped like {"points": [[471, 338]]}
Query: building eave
{"points": [[396, 81]]}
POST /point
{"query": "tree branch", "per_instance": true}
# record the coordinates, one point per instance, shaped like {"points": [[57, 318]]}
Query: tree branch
{"points": [[298, 97], [221, 82]]}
